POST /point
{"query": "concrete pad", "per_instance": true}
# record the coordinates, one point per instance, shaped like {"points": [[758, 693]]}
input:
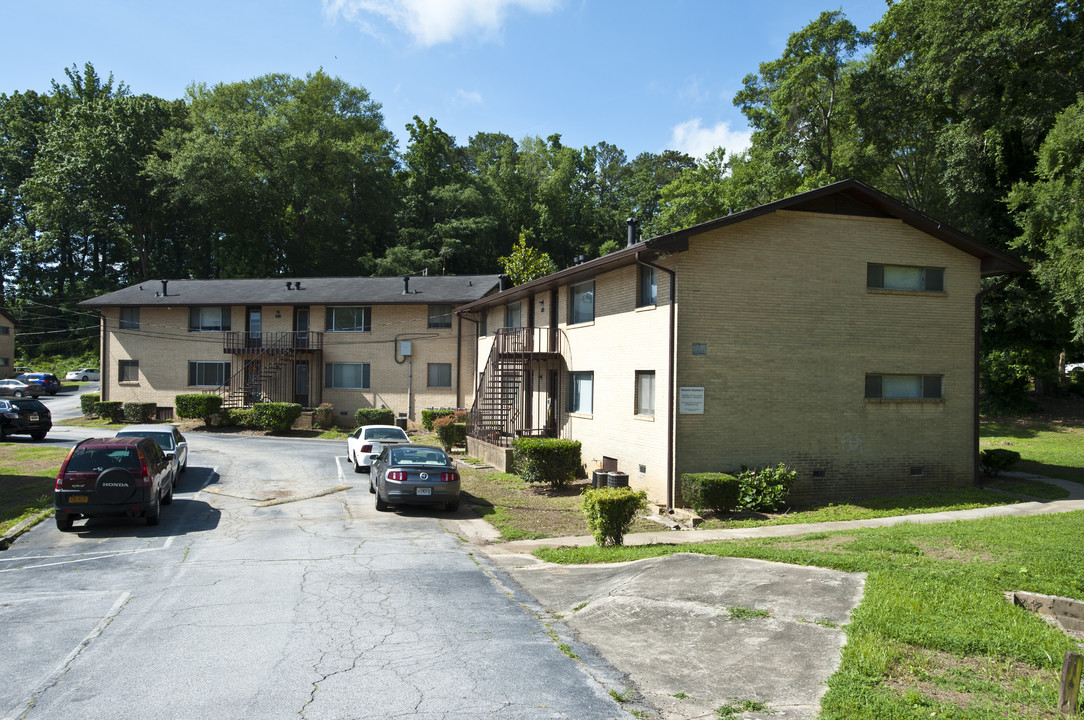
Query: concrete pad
{"points": [[670, 623]]}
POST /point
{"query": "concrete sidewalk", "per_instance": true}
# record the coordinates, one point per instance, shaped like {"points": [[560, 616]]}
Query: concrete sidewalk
{"points": [[695, 632]]}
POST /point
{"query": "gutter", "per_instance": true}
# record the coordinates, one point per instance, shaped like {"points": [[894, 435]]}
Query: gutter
{"points": [[671, 374], [978, 341]]}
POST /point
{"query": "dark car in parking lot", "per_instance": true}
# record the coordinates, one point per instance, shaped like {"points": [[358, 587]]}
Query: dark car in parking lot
{"points": [[46, 381], [414, 475], [17, 388], [113, 476], [24, 416]]}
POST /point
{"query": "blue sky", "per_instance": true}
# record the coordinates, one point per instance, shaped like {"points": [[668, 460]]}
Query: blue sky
{"points": [[645, 75]]}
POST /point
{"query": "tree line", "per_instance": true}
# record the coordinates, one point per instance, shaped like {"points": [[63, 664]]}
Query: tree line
{"points": [[971, 113]]}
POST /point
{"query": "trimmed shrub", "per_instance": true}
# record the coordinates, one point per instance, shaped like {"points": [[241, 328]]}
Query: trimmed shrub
{"points": [[610, 512], [764, 490], [428, 416], [198, 405], [140, 412], [112, 410], [451, 429], [323, 416], [275, 417], [546, 460], [374, 416], [238, 417], [710, 491], [88, 403], [994, 460]]}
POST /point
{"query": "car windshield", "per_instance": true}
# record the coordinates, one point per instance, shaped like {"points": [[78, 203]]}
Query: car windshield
{"points": [[164, 439], [418, 456], [29, 405], [385, 434]]}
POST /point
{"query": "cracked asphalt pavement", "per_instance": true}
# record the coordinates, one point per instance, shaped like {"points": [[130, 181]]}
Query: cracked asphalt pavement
{"points": [[320, 608]]}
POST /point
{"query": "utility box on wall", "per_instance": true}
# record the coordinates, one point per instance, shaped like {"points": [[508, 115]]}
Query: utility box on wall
{"points": [[404, 348]]}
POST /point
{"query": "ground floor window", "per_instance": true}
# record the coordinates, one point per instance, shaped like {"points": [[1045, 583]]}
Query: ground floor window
{"points": [[208, 374], [347, 376], [440, 375], [128, 371], [904, 387], [581, 392], [645, 392]]}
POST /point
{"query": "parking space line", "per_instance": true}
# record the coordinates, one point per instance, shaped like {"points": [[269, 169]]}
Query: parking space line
{"points": [[84, 558]]}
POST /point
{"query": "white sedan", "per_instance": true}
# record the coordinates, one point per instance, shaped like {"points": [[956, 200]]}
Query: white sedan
{"points": [[83, 374], [367, 441]]}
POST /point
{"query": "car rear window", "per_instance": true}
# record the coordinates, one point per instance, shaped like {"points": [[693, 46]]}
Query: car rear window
{"points": [[418, 456], [29, 404], [385, 434], [91, 460]]}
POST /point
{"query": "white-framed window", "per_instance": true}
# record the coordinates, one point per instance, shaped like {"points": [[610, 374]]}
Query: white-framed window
{"points": [[440, 375], [129, 318], [904, 387], [357, 318], [581, 392], [513, 315], [905, 277], [347, 376], [127, 371], [647, 291], [209, 319], [208, 374], [581, 302], [440, 316], [645, 392]]}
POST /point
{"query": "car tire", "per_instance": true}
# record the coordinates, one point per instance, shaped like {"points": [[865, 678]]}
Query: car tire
{"points": [[37, 436], [52, 392], [17, 393], [452, 505], [381, 506], [168, 499], [64, 521], [155, 513], [85, 378], [3, 433], [372, 488], [357, 465]]}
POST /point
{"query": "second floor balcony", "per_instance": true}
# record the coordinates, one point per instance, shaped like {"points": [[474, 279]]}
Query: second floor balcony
{"points": [[275, 343]]}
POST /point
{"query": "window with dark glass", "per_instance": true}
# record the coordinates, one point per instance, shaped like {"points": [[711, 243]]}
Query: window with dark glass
{"points": [[129, 318], [440, 316], [208, 374], [904, 387], [905, 277], [440, 375], [128, 371], [513, 315], [349, 319], [209, 319], [648, 292], [347, 376], [581, 305]]}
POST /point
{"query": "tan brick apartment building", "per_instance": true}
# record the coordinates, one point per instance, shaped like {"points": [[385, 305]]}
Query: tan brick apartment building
{"points": [[834, 330], [7, 345], [390, 342]]}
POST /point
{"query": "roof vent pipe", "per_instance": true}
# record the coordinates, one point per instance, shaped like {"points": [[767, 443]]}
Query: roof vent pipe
{"points": [[406, 284], [289, 285], [632, 225], [164, 282], [504, 281], [297, 284]]}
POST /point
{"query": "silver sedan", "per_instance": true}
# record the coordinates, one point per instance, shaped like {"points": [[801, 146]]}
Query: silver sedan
{"points": [[414, 475]]}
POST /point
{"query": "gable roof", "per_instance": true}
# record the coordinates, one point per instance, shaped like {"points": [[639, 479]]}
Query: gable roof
{"points": [[439, 289], [847, 197]]}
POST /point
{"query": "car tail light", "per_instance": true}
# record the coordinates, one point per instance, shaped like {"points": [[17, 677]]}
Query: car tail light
{"points": [[366, 448], [397, 475], [12, 415], [449, 477], [143, 467], [63, 469]]}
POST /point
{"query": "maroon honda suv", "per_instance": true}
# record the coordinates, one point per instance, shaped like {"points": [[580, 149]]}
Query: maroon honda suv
{"points": [[113, 476]]}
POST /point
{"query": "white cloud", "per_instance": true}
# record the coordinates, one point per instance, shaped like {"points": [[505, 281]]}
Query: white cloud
{"points": [[431, 22], [468, 97], [689, 137]]}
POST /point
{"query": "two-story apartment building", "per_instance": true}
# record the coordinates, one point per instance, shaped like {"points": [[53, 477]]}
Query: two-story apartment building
{"points": [[834, 331], [391, 342], [7, 345]]}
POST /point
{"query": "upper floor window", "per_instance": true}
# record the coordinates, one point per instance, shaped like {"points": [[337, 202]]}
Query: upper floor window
{"points": [[440, 316], [349, 319], [905, 277], [209, 319], [581, 390], [648, 290], [129, 318], [483, 323], [581, 303], [904, 387], [645, 392], [5, 330], [513, 315]]}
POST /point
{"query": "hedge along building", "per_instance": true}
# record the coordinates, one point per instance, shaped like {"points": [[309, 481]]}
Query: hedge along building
{"points": [[391, 342], [835, 331]]}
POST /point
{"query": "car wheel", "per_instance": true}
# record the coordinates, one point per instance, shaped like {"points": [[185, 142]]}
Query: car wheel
{"points": [[3, 433], [52, 392], [85, 378], [452, 505], [155, 512], [64, 521], [18, 393], [372, 489], [381, 506], [168, 499], [357, 465], [37, 436]]}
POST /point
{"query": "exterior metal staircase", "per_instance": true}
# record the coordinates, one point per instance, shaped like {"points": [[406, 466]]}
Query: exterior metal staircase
{"points": [[267, 369]]}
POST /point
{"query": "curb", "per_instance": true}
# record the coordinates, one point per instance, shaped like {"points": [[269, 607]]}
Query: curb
{"points": [[11, 535]]}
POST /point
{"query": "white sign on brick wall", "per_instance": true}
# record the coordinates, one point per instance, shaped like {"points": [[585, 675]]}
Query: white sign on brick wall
{"points": [[691, 401]]}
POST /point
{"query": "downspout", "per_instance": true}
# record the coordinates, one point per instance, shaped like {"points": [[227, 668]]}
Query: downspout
{"points": [[978, 339], [474, 361], [671, 373], [458, 359]]}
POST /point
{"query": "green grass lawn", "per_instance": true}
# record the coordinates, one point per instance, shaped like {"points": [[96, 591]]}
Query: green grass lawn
{"points": [[1052, 449], [27, 478]]}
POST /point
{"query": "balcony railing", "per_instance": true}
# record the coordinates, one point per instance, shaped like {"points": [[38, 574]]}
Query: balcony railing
{"points": [[284, 343]]}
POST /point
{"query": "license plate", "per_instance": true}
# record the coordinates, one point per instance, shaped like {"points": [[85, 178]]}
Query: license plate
{"points": [[424, 491], [78, 498], [34, 417]]}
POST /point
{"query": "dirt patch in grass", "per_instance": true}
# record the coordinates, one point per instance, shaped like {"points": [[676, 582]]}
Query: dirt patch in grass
{"points": [[522, 511], [1014, 688]]}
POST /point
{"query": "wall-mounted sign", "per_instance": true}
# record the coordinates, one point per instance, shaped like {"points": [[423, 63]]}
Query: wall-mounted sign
{"points": [[691, 401]]}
